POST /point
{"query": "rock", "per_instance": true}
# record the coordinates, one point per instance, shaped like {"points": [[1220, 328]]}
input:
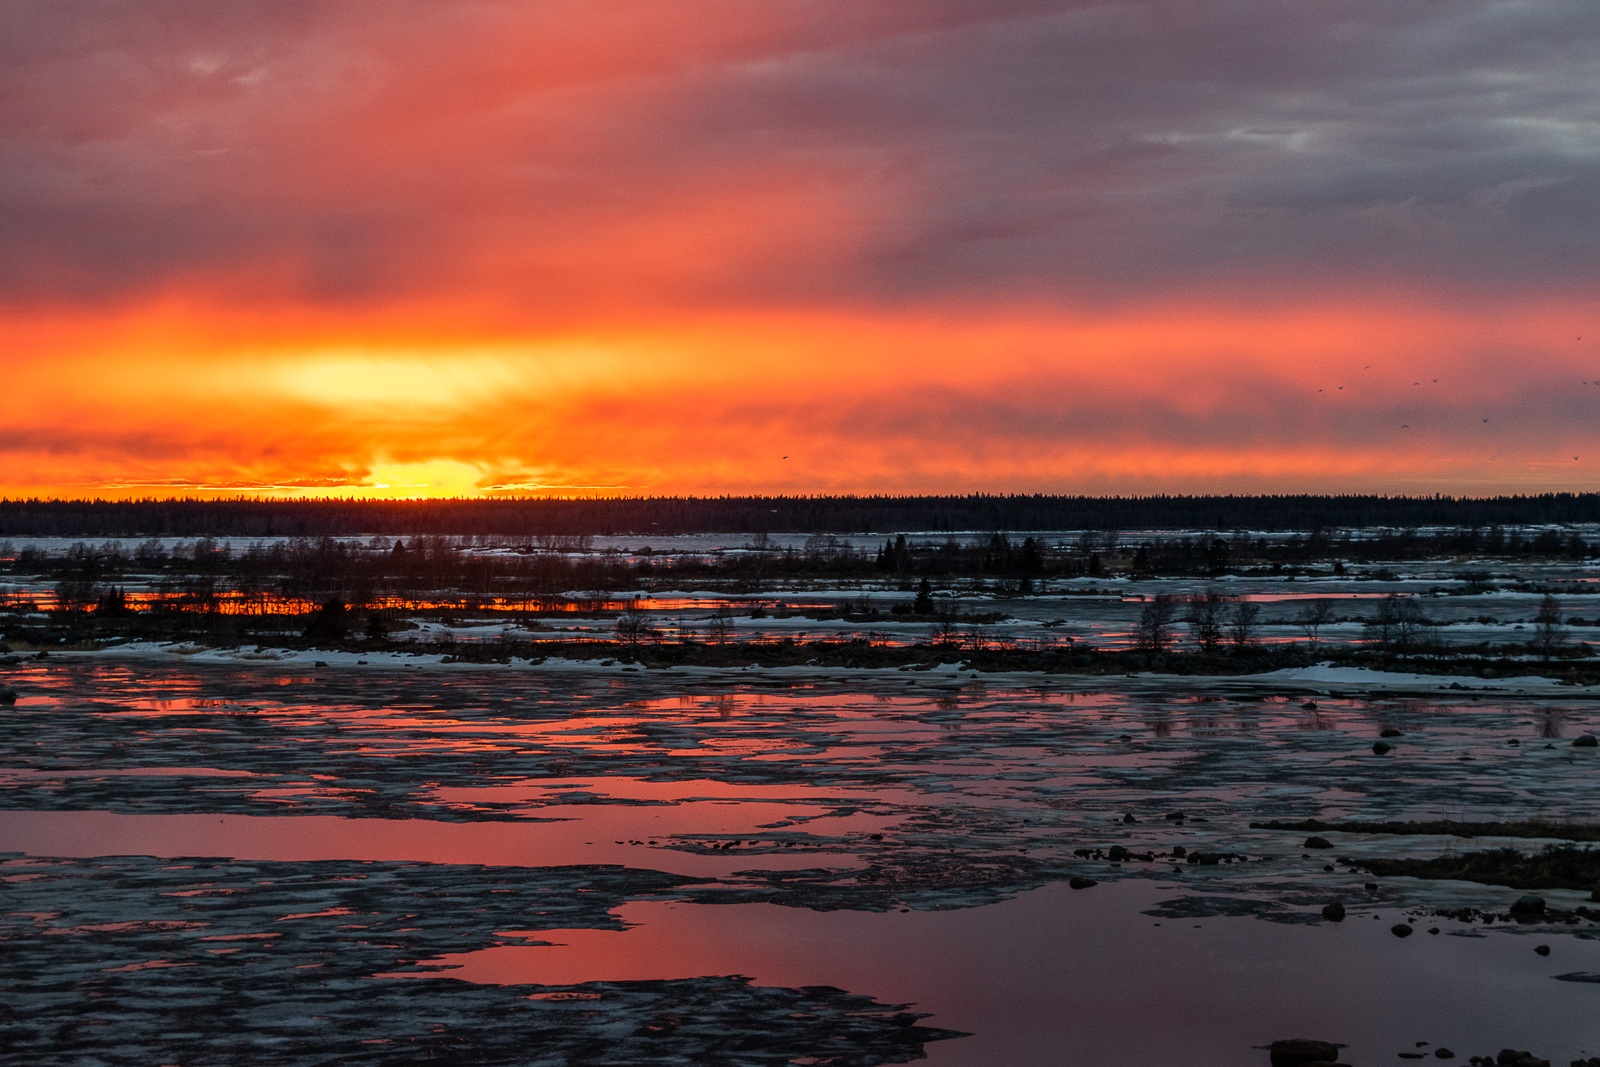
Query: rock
{"points": [[1082, 883], [1334, 912], [1444, 1053], [1175, 816], [1310, 705], [1389, 731], [1543, 950], [1179, 851], [1128, 818], [1528, 907], [1514, 743], [1379, 748], [1585, 741], [8, 696], [1302, 1052], [1510, 1057], [1401, 930], [1318, 842]]}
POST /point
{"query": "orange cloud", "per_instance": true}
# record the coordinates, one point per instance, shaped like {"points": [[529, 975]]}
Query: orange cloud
{"points": [[721, 246], [176, 398]]}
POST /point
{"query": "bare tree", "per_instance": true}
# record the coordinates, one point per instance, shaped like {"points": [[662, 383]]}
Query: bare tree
{"points": [[1547, 632], [947, 632], [633, 625], [1155, 622], [1312, 618], [1400, 624], [1204, 619], [1242, 623], [719, 627]]}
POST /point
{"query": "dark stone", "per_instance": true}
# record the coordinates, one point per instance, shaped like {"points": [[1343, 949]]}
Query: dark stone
{"points": [[1444, 1054], [1389, 731], [1302, 1052], [1510, 1057], [1175, 816], [1401, 930], [1081, 883], [1179, 851], [1543, 950], [1128, 818], [1379, 748], [1528, 907], [1310, 705], [1585, 741], [1318, 842], [1334, 912], [8, 696]]}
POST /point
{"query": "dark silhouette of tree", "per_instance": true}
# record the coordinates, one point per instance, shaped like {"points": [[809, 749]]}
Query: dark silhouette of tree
{"points": [[633, 625], [330, 622], [719, 627], [923, 605], [1399, 624], [1155, 623], [1312, 618], [1242, 623], [1547, 626], [1204, 619]]}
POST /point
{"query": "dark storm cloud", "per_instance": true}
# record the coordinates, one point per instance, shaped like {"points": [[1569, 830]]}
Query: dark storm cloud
{"points": [[880, 151]]}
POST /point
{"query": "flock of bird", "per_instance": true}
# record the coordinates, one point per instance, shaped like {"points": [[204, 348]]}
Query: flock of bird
{"points": [[1435, 381]]}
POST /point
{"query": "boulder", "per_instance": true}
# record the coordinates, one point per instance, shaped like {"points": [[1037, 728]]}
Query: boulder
{"points": [[1380, 748], [1585, 741], [1082, 883], [1401, 930], [8, 696], [1528, 907], [1334, 912], [1302, 1052], [1510, 1057], [1318, 842]]}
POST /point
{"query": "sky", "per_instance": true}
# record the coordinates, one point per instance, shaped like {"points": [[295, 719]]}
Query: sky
{"points": [[575, 247]]}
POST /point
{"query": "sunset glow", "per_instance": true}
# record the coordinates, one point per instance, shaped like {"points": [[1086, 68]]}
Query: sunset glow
{"points": [[717, 247]]}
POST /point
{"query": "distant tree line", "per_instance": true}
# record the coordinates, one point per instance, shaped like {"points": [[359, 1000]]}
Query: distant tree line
{"points": [[752, 515], [532, 574]]}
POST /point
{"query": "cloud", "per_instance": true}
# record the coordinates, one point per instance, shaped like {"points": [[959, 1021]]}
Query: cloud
{"points": [[780, 154], [1117, 245]]}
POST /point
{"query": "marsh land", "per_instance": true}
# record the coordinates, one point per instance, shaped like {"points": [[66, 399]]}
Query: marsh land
{"points": [[1038, 796]]}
